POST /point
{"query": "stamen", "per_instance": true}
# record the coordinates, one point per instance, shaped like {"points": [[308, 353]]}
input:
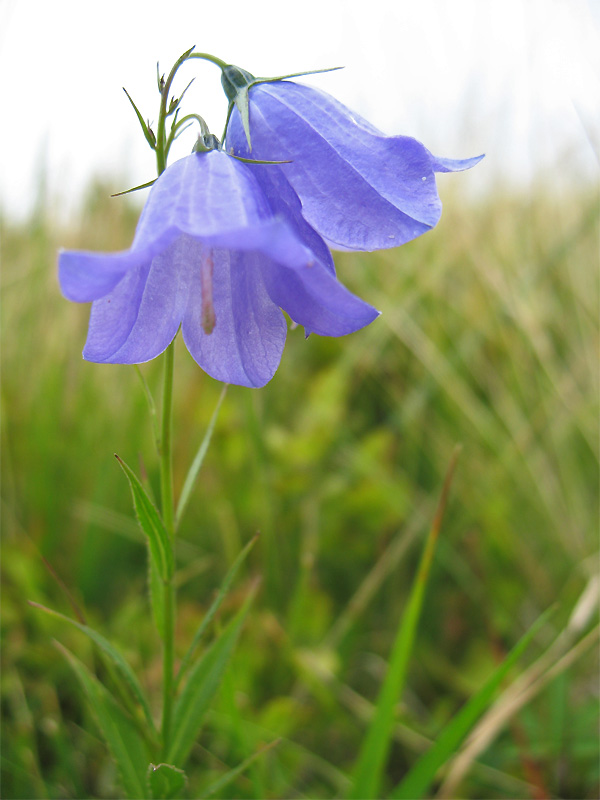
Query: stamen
{"points": [[209, 319]]}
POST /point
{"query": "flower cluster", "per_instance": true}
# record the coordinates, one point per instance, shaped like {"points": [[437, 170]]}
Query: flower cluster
{"points": [[226, 241]]}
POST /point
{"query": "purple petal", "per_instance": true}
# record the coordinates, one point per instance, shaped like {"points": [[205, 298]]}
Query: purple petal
{"points": [[140, 317], [86, 276], [213, 197], [454, 164], [359, 189], [247, 341], [285, 203], [314, 298]]}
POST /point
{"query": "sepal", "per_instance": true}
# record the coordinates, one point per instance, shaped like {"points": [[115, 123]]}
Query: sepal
{"points": [[148, 132]]}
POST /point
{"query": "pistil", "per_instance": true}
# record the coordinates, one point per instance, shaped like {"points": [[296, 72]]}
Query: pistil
{"points": [[206, 289]]}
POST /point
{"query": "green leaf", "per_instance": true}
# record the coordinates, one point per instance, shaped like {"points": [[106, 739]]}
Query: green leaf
{"points": [[232, 774], [214, 607], [159, 542], [198, 460], [371, 761], [126, 745], [150, 137], [421, 776], [200, 688], [165, 781], [115, 657]]}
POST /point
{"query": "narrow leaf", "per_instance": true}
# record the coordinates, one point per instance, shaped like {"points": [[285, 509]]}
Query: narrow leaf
{"points": [[125, 743], [198, 460], [115, 657], [150, 138], [200, 688], [375, 748], [214, 607], [151, 524], [165, 781], [224, 780], [135, 188], [421, 776]]}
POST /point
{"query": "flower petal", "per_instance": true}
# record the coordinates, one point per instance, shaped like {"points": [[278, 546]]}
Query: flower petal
{"points": [[140, 317], [247, 341], [86, 276], [314, 298], [285, 203], [359, 189]]}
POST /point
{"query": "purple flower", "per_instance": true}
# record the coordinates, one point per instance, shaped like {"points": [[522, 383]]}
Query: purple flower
{"points": [[220, 254], [360, 189]]}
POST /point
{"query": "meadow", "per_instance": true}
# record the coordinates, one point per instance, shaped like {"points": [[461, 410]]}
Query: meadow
{"points": [[488, 339]]}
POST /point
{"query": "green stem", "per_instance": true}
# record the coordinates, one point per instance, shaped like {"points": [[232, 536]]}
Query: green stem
{"points": [[166, 484], [166, 455]]}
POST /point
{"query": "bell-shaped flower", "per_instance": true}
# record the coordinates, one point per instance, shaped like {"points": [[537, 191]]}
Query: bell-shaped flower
{"points": [[216, 256], [360, 189]]}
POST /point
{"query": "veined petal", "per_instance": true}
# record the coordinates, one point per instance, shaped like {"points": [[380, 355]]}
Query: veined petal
{"points": [[359, 189], [86, 276], [285, 203], [314, 298], [247, 341], [140, 317], [454, 164]]}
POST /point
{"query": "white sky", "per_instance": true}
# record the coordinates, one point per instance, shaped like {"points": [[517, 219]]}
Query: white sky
{"points": [[516, 79]]}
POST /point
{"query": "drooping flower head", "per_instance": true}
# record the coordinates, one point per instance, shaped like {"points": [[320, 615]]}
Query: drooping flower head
{"points": [[219, 253], [360, 189]]}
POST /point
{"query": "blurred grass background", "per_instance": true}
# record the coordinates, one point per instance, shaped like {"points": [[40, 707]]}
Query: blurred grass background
{"points": [[488, 338]]}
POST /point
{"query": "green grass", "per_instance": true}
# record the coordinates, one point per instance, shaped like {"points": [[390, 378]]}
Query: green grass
{"points": [[488, 338]]}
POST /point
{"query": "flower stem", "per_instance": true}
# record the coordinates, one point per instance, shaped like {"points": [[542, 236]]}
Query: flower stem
{"points": [[166, 486]]}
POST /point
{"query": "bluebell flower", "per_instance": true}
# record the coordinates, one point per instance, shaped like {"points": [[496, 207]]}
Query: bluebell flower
{"points": [[359, 189], [220, 254]]}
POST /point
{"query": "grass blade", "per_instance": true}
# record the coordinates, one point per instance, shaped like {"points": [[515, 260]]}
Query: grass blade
{"points": [[197, 462], [371, 761], [422, 774], [125, 743], [210, 614], [200, 688]]}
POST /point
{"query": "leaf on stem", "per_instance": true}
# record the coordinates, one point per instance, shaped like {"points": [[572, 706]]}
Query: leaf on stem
{"points": [[210, 614], [165, 781], [125, 743], [200, 688], [115, 657], [151, 524], [193, 471], [148, 133], [224, 780]]}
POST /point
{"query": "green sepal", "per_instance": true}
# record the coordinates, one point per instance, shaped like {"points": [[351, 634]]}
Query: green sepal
{"points": [[200, 688], [124, 742], [237, 82], [176, 101], [165, 781], [148, 132]]}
